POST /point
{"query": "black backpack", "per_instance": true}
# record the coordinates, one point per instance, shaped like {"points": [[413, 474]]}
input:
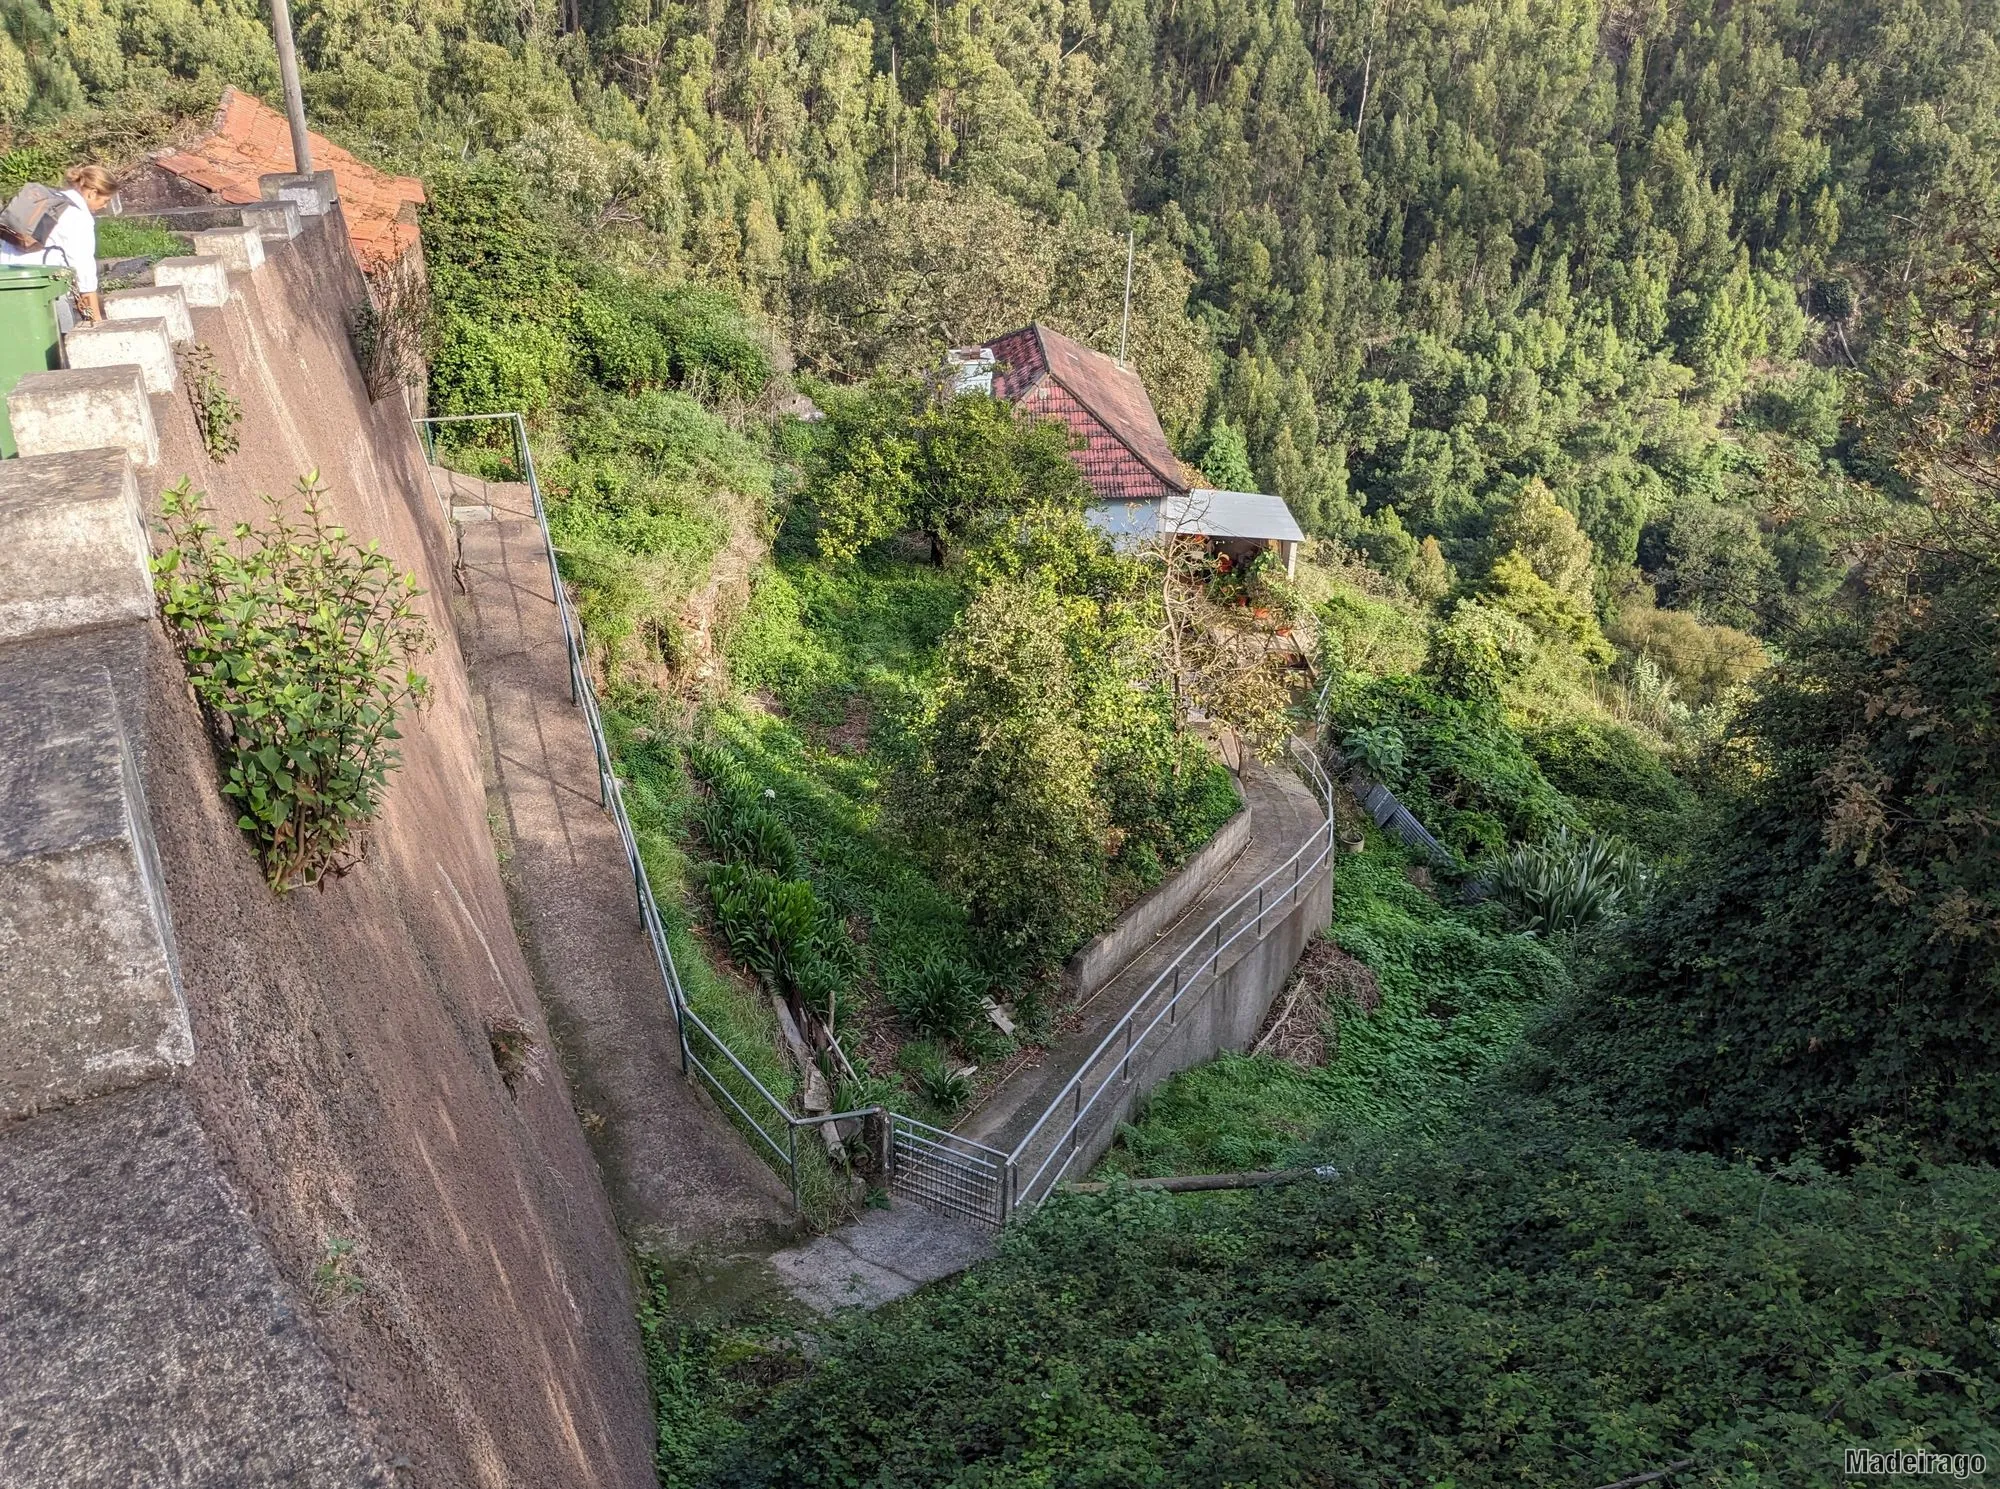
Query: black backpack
{"points": [[30, 218]]}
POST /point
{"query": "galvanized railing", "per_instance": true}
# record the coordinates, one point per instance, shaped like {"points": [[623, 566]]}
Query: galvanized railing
{"points": [[946, 1171], [1047, 1150], [772, 1124], [928, 1165]]}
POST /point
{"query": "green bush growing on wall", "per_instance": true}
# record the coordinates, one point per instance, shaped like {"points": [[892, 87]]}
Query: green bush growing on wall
{"points": [[297, 642]]}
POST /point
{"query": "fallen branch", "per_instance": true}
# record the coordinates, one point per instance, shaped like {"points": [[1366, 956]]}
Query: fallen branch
{"points": [[1646, 1478], [1194, 1183], [1271, 1030]]}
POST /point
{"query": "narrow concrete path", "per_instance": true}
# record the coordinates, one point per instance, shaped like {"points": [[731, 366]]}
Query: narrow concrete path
{"points": [[678, 1173], [1283, 815]]}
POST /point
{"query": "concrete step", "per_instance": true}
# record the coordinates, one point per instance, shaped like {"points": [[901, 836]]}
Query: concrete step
{"points": [[880, 1256], [85, 408], [143, 342]]}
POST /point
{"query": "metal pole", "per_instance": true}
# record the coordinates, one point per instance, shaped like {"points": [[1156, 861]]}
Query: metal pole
{"points": [[288, 75], [1125, 324], [792, 1161]]}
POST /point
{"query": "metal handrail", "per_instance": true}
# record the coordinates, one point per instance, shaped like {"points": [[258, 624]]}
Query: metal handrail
{"points": [[610, 794], [1203, 952]]}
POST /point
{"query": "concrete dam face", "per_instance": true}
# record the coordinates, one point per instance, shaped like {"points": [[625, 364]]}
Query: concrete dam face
{"points": [[269, 1211]]}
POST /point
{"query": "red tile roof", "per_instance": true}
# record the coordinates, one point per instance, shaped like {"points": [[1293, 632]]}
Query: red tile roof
{"points": [[250, 139], [1125, 454], [1113, 471]]}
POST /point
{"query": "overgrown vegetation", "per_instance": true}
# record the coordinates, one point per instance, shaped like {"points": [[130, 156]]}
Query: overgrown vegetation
{"points": [[1452, 988], [138, 238], [854, 663], [1524, 1296], [1632, 370], [298, 643]]}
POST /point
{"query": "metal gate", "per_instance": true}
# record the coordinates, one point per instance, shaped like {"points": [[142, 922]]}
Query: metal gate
{"points": [[945, 1172]]}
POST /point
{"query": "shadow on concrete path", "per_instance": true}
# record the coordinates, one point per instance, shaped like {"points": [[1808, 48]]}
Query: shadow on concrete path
{"points": [[677, 1172]]}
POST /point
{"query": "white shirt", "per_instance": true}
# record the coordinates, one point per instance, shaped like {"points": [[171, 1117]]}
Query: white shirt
{"points": [[72, 243]]}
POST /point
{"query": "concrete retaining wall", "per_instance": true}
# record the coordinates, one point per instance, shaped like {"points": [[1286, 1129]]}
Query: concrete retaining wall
{"points": [[1105, 955], [1224, 1014], [218, 1091]]}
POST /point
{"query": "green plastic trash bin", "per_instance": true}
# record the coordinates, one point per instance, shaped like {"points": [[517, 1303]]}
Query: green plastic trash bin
{"points": [[29, 340]]}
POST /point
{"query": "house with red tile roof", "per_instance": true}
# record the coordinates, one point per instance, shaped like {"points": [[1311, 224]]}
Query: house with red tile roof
{"points": [[249, 139], [1143, 491], [1120, 446]]}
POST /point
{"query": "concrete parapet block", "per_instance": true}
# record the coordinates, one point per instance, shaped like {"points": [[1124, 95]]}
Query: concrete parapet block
{"points": [[203, 278], [165, 302], [314, 195], [242, 248], [84, 408], [146, 1336], [73, 549], [87, 965], [278, 222], [144, 344]]}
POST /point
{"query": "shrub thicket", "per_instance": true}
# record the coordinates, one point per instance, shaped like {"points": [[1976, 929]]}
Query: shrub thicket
{"points": [[1524, 1299], [1616, 781], [1465, 772], [1825, 960], [297, 642]]}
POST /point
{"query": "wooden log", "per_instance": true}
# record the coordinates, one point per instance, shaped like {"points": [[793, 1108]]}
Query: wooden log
{"points": [[1196, 1183]]}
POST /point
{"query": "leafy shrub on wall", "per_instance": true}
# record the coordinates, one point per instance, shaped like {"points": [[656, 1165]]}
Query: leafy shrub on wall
{"points": [[297, 642]]}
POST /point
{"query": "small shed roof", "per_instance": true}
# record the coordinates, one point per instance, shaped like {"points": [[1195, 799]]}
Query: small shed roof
{"points": [[1231, 514], [1203, 512]]}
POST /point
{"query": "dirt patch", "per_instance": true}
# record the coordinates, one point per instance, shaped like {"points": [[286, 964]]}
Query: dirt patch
{"points": [[850, 735], [1326, 978]]}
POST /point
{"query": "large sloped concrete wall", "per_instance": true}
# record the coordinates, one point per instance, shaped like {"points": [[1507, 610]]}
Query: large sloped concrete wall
{"points": [[340, 1090]]}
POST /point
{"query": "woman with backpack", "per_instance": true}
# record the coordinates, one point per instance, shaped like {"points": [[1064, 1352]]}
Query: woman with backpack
{"points": [[60, 229]]}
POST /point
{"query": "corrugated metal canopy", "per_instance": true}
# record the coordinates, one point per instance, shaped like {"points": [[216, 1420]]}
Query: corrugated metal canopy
{"points": [[1200, 513]]}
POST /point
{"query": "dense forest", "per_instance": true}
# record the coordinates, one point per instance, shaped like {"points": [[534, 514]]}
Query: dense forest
{"points": [[1634, 369]]}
